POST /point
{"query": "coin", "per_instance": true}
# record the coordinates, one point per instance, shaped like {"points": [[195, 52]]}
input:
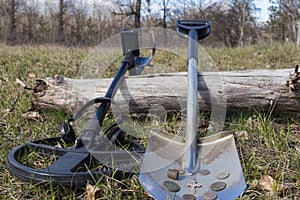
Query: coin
{"points": [[188, 197], [210, 196], [218, 186], [173, 173], [204, 172], [223, 175], [171, 186]]}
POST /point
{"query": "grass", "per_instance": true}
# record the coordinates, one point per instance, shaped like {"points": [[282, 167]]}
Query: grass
{"points": [[268, 143], [256, 57]]}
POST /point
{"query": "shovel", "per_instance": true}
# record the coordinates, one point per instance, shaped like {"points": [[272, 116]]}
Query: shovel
{"points": [[186, 168]]}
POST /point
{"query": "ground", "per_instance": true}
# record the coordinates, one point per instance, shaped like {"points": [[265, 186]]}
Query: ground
{"points": [[268, 142]]}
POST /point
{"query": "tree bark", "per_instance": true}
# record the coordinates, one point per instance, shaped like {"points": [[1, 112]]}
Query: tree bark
{"points": [[235, 90], [165, 12], [298, 32], [242, 23], [60, 36], [12, 37], [137, 16]]}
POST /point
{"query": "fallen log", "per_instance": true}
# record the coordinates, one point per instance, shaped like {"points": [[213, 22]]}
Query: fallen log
{"points": [[235, 90]]}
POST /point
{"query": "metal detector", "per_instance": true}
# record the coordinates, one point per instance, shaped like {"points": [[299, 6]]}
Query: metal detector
{"points": [[187, 168], [96, 152]]}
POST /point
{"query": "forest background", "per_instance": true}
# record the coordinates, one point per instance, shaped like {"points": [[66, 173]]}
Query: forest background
{"points": [[235, 23]]}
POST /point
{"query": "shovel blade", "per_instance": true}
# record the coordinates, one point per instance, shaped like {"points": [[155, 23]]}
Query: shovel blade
{"points": [[218, 172]]}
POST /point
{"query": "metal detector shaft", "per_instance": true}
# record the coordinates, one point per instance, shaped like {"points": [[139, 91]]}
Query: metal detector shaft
{"points": [[190, 157], [94, 125]]}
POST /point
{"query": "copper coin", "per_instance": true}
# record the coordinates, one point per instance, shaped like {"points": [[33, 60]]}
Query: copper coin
{"points": [[173, 173]]}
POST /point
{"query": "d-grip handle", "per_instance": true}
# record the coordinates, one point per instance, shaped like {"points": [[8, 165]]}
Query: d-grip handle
{"points": [[201, 26]]}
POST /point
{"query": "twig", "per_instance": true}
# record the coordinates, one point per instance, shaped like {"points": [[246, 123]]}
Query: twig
{"points": [[13, 103], [18, 81]]}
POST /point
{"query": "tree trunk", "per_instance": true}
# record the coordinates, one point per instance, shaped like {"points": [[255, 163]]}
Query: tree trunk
{"points": [[235, 90], [242, 23], [60, 36], [137, 17], [12, 37], [165, 12], [298, 32]]}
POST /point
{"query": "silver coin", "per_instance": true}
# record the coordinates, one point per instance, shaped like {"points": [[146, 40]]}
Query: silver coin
{"points": [[218, 186], [223, 175], [204, 172], [210, 196], [171, 186]]}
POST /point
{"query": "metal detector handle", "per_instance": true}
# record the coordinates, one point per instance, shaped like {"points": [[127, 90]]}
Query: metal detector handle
{"points": [[201, 26]]}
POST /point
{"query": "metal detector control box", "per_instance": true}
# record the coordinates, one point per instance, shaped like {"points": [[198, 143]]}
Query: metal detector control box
{"points": [[130, 42]]}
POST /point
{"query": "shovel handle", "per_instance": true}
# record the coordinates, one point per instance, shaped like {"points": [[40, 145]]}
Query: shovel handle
{"points": [[195, 30], [201, 26]]}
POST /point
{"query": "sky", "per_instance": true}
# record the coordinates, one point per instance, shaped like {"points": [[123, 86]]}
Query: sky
{"points": [[263, 15]]}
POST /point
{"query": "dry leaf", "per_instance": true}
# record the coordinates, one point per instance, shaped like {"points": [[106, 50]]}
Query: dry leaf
{"points": [[266, 182], [32, 115], [297, 149], [31, 76], [93, 192], [242, 134]]}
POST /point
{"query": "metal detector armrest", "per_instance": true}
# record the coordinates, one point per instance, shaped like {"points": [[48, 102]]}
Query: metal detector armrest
{"points": [[130, 44], [201, 26]]}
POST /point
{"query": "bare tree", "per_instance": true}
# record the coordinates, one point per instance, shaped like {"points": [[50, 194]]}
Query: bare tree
{"points": [[232, 22], [285, 19], [129, 9], [292, 7], [31, 22], [242, 20], [137, 14], [76, 22], [165, 10], [242, 10], [168, 12], [60, 37], [12, 36], [4, 19]]}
